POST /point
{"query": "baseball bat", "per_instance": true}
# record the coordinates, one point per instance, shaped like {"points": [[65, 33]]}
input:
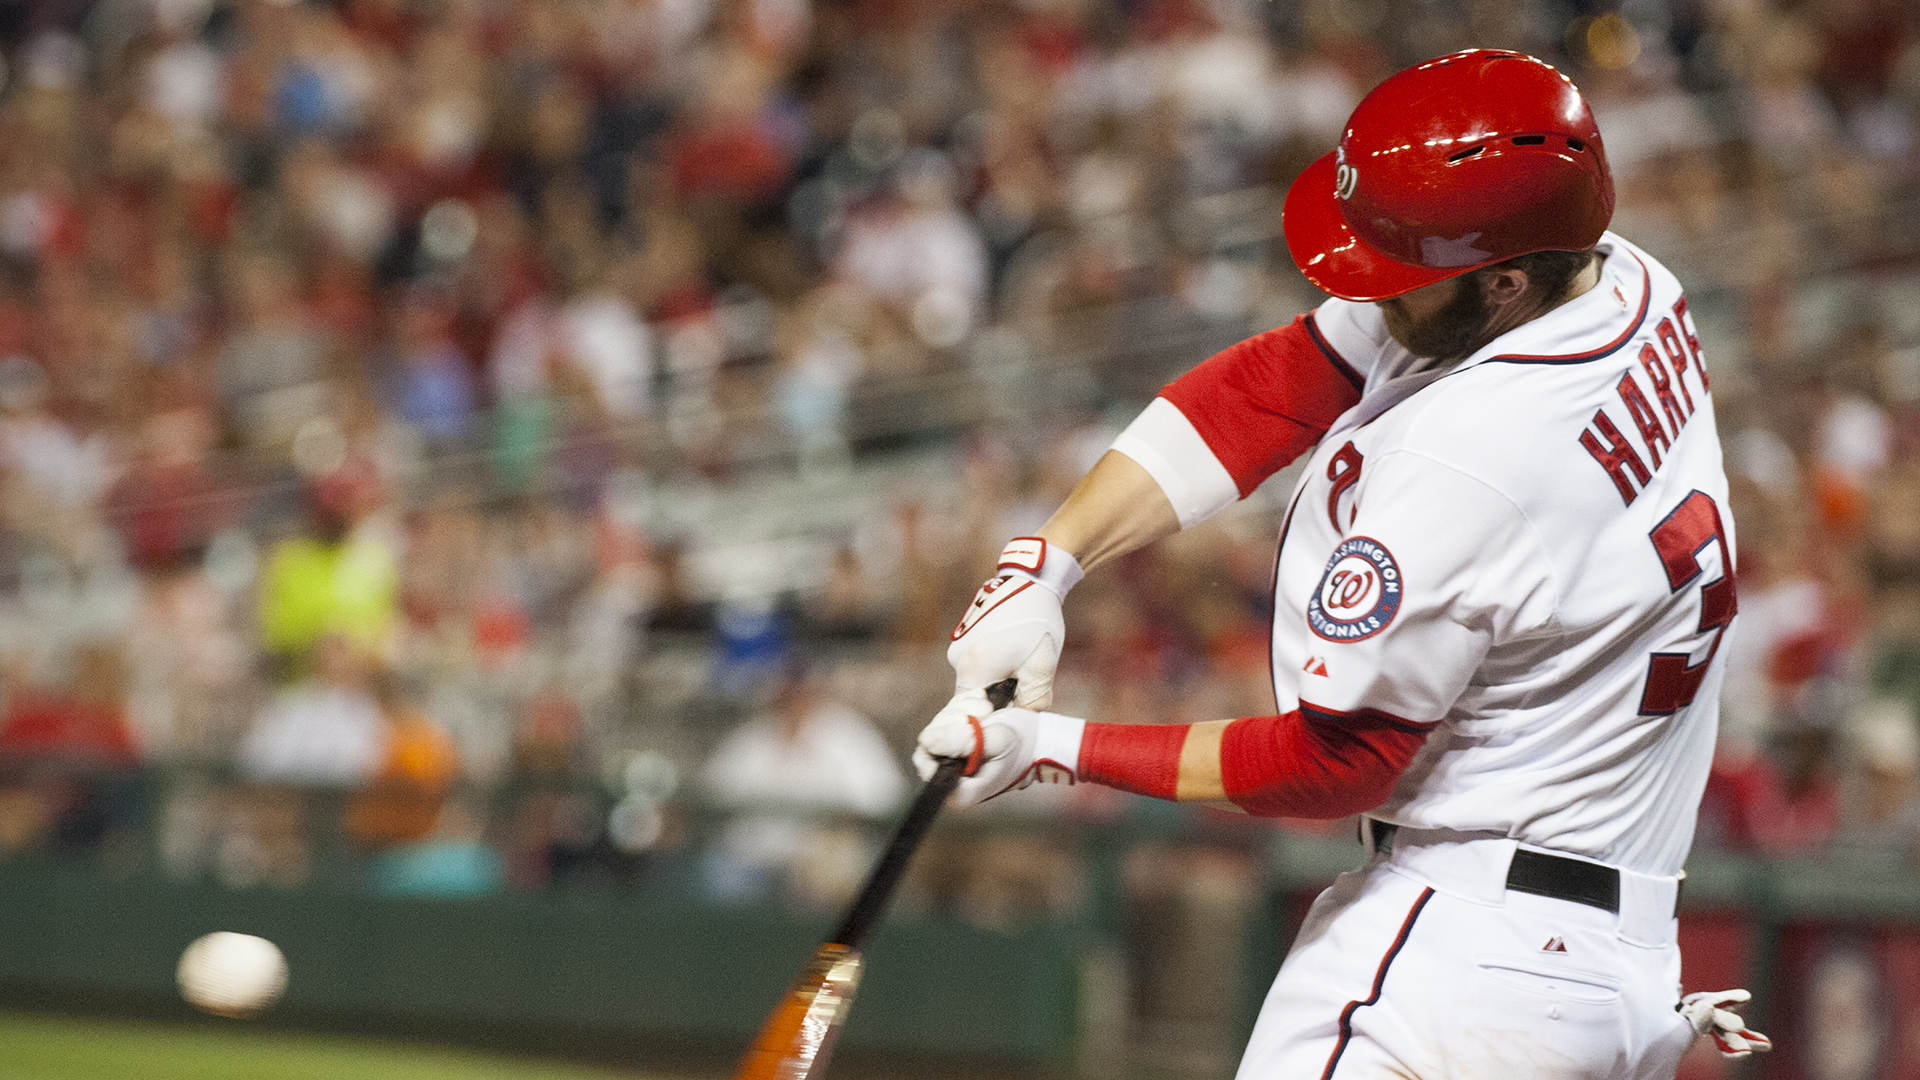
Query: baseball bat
{"points": [[797, 1039]]}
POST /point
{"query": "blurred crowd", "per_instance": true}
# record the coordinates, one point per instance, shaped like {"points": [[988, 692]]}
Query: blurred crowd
{"points": [[520, 420]]}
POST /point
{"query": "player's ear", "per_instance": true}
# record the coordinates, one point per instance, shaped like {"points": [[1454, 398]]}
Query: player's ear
{"points": [[1501, 285]]}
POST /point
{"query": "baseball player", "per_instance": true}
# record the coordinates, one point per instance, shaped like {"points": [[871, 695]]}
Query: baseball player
{"points": [[1503, 584]]}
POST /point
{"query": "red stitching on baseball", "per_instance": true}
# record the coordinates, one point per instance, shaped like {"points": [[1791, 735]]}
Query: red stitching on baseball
{"points": [[979, 747]]}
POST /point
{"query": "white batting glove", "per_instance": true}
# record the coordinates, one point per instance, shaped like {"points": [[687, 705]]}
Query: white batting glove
{"points": [[1708, 1014], [1013, 628], [1005, 751]]}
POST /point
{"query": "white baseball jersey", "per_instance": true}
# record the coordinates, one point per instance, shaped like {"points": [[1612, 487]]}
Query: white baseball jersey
{"points": [[1528, 553]]}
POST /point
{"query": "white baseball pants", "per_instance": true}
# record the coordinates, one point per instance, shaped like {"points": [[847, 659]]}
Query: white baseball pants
{"points": [[1422, 965]]}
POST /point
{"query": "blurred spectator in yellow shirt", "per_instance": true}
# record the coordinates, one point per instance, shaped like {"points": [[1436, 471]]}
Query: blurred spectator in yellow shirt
{"points": [[336, 577]]}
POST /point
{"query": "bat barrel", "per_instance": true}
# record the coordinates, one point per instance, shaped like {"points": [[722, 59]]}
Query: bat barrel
{"points": [[797, 1039]]}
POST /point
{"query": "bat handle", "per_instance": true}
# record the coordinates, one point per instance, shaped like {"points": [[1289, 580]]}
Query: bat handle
{"points": [[1000, 694], [893, 861]]}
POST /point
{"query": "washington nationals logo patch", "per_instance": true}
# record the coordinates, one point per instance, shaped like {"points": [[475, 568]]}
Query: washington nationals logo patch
{"points": [[1359, 594]]}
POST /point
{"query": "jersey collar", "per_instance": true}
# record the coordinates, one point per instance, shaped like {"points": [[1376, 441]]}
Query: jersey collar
{"points": [[1592, 325]]}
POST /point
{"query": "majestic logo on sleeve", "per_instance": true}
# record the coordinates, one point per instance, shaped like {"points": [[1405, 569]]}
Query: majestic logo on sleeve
{"points": [[1359, 594]]}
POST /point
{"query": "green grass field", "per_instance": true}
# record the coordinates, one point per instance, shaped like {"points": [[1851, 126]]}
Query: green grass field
{"points": [[60, 1048]]}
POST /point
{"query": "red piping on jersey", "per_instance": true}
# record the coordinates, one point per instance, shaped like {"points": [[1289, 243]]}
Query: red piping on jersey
{"points": [[1379, 981], [1611, 347], [1646, 297], [1273, 594], [1332, 355]]}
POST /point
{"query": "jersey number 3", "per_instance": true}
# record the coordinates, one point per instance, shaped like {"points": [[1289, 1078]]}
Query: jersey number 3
{"points": [[1679, 539]]}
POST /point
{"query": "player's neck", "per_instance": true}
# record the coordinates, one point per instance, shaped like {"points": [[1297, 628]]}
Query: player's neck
{"points": [[1526, 308], [1529, 307]]}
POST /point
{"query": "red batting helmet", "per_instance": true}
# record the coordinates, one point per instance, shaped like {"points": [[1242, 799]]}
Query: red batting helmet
{"points": [[1449, 166]]}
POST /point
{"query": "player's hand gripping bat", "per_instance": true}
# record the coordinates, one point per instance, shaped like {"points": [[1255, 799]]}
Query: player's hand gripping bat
{"points": [[797, 1039]]}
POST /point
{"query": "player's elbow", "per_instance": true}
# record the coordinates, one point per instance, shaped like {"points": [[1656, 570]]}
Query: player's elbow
{"points": [[1300, 765], [1319, 804]]}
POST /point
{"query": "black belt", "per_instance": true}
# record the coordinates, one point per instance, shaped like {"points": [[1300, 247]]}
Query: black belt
{"points": [[1542, 874]]}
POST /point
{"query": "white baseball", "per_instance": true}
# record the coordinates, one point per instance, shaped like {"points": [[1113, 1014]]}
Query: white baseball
{"points": [[232, 974]]}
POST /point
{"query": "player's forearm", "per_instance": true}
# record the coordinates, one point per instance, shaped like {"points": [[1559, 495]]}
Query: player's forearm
{"points": [[1179, 762], [1291, 765], [1116, 508]]}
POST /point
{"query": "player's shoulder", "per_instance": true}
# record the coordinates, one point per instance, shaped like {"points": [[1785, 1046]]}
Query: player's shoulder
{"points": [[1351, 330], [1628, 260]]}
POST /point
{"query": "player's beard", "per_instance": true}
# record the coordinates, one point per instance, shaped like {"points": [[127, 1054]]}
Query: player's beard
{"points": [[1450, 334]]}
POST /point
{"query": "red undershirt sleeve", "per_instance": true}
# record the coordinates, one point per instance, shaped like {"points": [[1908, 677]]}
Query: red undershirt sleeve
{"points": [[1141, 758], [1307, 763], [1266, 400], [1312, 765]]}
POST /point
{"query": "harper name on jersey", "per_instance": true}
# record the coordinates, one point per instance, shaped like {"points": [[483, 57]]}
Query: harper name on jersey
{"points": [[1526, 552]]}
